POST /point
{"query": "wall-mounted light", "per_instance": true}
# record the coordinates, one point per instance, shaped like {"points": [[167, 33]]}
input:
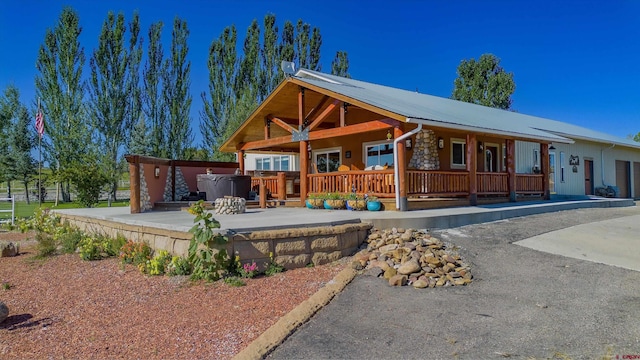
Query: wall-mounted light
{"points": [[480, 146], [408, 144], [156, 172], [389, 136], [440, 143], [551, 147]]}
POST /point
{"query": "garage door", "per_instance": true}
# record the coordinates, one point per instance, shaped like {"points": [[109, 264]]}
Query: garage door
{"points": [[622, 178], [636, 180]]}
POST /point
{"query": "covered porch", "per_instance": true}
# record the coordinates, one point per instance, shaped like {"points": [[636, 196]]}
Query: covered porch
{"points": [[345, 145]]}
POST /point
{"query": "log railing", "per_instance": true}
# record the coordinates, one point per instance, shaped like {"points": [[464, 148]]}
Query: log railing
{"points": [[378, 183], [492, 183], [437, 183], [529, 183], [274, 185]]}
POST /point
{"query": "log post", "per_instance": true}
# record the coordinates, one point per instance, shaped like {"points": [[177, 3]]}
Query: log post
{"points": [[241, 161], [402, 169], [472, 168], [263, 194], [134, 181], [511, 169], [304, 151], [282, 186], [545, 168]]}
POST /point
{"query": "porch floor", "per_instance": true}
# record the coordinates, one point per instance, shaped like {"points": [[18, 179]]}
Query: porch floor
{"points": [[293, 217]]}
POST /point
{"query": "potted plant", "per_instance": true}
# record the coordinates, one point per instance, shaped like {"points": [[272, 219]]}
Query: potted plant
{"points": [[334, 201], [356, 202], [316, 201], [373, 204]]}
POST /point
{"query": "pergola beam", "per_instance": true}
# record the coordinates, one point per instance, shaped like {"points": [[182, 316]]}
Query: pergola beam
{"points": [[323, 115], [282, 124]]}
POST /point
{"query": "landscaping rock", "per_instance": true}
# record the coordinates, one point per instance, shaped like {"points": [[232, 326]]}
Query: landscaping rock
{"points": [[8, 249], [411, 256], [4, 312], [230, 205]]}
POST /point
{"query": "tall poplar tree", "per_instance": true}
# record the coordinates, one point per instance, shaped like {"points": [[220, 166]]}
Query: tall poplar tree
{"points": [[484, 82], [340, 64], [153, 104], [60, 87], [113, 93], [176, 92]]}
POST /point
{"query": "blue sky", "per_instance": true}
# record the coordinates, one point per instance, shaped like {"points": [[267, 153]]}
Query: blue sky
{"points": [[573, 61]]}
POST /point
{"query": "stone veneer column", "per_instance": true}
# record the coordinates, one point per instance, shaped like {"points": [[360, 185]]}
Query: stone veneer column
{"points": [[145, 198], [182, 189], [425, 152]]}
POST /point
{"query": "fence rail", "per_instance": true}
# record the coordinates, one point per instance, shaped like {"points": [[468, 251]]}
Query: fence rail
{"points": [[444, 183], [12, 210]]}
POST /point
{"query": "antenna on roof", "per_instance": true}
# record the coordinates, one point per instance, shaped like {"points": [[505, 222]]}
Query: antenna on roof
{"points": [[288, 67]]}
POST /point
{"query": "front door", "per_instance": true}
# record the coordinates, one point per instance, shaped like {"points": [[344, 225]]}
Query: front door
{"points": [[622, 178], [588, 177]]}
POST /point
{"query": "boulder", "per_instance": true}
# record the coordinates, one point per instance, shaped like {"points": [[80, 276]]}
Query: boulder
{"points": [[409, 267], [8, 249], [398, 280], [4, 312]]}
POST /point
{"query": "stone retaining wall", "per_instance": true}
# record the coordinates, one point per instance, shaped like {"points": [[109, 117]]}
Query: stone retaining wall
{"points": [[291, 248]]}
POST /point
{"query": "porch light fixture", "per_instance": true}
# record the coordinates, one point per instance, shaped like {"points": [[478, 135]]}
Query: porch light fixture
{"points": [[389, 136], [440, 143], [551, 147], [480, 146], [156, 172], [407, 144]]}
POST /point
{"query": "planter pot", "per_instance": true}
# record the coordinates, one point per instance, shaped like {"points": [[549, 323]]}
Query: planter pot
{"points": [[315, 203], [334, 204], [356, 205], [374, 205]]}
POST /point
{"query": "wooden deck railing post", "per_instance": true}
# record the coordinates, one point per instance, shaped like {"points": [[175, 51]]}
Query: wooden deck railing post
{"points": [[282, 186], [263, 194], [511, 169], [544, 169], [472, 167], [241, 161], [134, 181], [304, 151]]}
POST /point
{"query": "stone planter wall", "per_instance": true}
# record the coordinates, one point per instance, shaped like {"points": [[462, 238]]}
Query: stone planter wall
{"points": [[291, 248], [425, 152]]}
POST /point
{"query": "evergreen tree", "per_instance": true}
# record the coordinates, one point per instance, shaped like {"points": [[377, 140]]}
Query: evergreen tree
{"points": [[140, 143], [176, 92], [484, 82], [340, 65], [22, 142], [153, 103], [112, 93], [270, 58], [60, 87]]}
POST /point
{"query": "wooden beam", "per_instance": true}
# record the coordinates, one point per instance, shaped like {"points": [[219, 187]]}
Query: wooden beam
{"points": [[343, 113], [323, 115], [349, 130], [511, 169], [267, 128], [282, 186], [282, 124], [545, 167], [317, 107], [472, 168], [304, 152], [260, 144], [241, 161]]}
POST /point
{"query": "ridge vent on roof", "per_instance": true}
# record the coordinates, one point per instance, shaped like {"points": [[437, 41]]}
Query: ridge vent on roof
{"points": [[316, 76]]}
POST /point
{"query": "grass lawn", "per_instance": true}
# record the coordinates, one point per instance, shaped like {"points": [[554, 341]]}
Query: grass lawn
{"points": [[26, 210]]}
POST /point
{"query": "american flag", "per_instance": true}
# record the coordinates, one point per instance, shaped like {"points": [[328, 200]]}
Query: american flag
{"points": [[40, 123]]}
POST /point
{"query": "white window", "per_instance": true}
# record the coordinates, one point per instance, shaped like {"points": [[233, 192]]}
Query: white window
{"points": [[378, 153], [458, 153], [280, 163], [327, 160]]}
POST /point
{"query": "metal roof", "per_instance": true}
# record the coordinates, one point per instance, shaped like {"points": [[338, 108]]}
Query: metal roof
{"points": [[448, 113]]}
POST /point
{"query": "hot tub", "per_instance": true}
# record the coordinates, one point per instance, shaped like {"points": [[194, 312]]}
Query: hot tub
{"points": [[220, 185]]}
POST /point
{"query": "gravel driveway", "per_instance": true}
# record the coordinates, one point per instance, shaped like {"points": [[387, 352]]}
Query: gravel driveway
{"points": [[522, 304]]}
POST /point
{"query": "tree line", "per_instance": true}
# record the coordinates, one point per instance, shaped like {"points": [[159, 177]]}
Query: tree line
{"points": [[136, 97]]}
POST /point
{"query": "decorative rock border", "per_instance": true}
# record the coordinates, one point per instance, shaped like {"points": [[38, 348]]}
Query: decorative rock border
{"points": [[411, 257]]}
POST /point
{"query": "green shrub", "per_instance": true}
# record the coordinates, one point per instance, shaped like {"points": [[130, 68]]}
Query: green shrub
{"points": [[113, 246], [90, 248], [208, 263], [273, 267], [178, 266], [46, 245], [70, 240], [234, 281], [158, 264], [135, 253]]}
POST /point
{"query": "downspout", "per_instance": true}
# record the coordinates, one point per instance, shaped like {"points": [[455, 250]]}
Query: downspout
{"points": [[602, 162], [396, 174]]}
